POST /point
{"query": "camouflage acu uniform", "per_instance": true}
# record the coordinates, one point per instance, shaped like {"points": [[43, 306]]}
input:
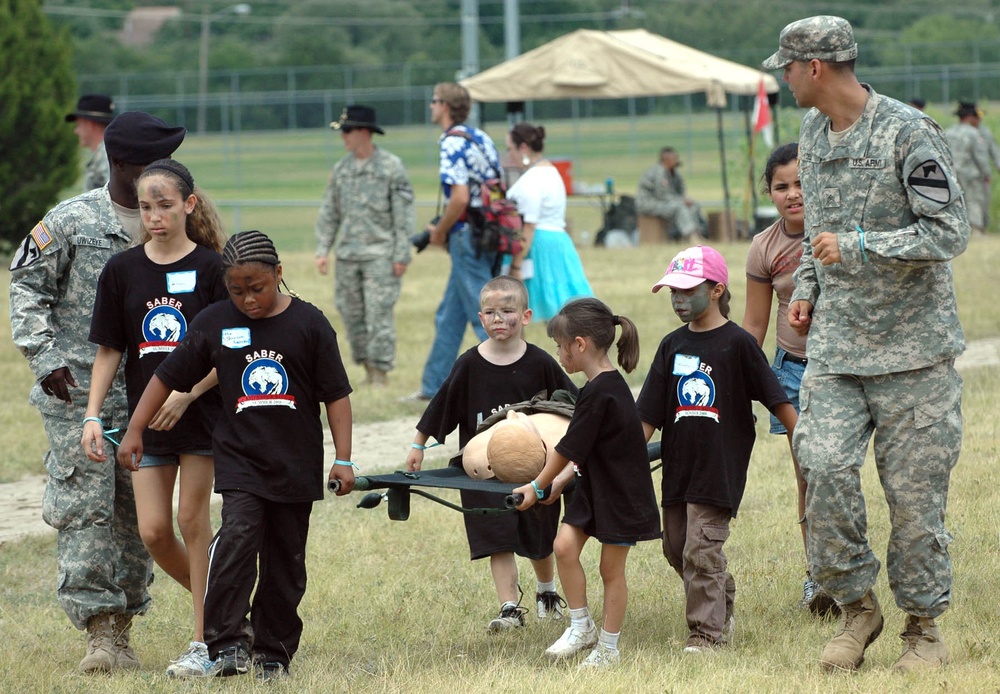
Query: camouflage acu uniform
{"points": [[367, 217], [98, 171], [881, 349], [661, 194], [972, 164], [103, 566]]}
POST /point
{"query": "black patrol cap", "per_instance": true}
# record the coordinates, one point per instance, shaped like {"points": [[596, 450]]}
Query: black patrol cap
{"points": [[96, 107], [135, 137], [357, 116]]}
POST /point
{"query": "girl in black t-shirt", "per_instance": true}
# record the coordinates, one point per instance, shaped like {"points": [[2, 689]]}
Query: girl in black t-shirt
{"points": [[614, 499], [699, 392], [147, 297], [278, 365]]}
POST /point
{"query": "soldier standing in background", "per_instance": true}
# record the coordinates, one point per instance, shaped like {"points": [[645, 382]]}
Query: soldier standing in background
{"points": [[104, 569], [971, 153], [367, 217], [92, 115], [875, 293]]}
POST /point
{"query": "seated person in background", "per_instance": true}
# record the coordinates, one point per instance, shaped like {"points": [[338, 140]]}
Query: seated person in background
{"points": [[661, 194]]}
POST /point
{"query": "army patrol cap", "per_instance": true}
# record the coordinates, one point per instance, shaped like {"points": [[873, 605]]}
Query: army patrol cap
{"points": [[135, 137], [96, 107], [357, 116], [825, 37]]}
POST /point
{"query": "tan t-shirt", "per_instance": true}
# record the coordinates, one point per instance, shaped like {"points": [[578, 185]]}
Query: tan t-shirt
{"points": [[773, 256]]}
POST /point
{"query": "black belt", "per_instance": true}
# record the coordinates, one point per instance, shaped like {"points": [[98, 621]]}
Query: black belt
{"points": [[796, 360]]}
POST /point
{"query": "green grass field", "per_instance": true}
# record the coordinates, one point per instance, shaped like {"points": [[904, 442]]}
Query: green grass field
{"points": [[397, 607]]}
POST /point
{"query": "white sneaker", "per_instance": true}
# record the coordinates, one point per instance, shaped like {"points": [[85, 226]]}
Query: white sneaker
{"points": [[572, 642], [550, 605], [192, 663], [601, 657], [511, 617]]}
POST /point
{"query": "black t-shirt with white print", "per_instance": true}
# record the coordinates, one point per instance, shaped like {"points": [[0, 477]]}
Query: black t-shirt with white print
{"points": [[275, 375], [144, 309]]}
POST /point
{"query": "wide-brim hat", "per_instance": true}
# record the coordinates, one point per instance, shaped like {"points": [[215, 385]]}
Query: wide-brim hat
{"points": [[967, 108], [357, 116], [96, 107]]}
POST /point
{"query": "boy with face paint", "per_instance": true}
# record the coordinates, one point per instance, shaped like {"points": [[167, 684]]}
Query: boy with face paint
{"points": [[698, 392]]}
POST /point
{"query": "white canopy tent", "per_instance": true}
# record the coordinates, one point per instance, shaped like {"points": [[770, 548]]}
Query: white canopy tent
{"points": [[589, 64]]}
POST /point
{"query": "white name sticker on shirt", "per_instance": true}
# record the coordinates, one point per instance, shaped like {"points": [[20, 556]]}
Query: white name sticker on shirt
{"points": [[685, 364], [182, 282], [235, 338]]}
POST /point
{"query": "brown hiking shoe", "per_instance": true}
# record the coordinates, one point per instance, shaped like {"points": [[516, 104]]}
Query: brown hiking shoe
{"points": [[924, 646], [125, 657], [860, 624], [100, 645]]}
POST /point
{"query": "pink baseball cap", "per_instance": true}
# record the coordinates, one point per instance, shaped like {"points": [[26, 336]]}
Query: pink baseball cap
{"points": [[692, 266]]}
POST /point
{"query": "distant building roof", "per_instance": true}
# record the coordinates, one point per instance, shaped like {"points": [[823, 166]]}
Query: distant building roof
{"points": [[142, 24]]}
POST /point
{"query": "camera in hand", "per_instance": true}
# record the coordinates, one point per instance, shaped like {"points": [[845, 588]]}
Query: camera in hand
{"points": [[422, 239]]}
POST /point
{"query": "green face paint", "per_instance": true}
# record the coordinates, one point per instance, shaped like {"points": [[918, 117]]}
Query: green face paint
{"points": [[690, 304]]}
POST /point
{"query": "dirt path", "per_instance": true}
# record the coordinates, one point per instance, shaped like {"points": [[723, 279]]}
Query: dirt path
{"points": [[379, 447]]}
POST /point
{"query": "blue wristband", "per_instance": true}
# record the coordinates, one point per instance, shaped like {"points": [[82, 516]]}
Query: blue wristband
{"points": [[540, 493], [421, 447], [94, 419], [346, 462], [861, 241]]}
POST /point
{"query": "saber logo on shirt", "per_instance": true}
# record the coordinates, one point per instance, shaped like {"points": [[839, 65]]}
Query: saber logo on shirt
{"points": [[696, 395], [162, 328], [265, 383]]}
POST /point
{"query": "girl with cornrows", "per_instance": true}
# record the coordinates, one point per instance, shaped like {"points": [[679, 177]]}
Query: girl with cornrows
{"points": [[146, 298], [548, 263], [277, 362]]}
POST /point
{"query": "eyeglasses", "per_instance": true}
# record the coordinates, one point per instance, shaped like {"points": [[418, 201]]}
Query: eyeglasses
{"points": [[436, 100]]}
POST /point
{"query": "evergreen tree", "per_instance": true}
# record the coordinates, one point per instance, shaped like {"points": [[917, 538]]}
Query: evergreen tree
{"points": [[37, 90]]}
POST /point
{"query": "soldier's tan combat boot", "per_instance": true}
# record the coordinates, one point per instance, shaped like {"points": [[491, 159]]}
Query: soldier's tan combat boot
{"points": [[125, 657], [924, 646], [374, 376], [100, 645], [860, 624]]}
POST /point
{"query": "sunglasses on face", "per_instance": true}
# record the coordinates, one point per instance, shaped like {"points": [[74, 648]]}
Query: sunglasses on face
{"points": [[347, 129]]}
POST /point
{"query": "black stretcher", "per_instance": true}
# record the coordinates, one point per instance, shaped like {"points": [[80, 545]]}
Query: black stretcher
{"points": [[400, 485]]}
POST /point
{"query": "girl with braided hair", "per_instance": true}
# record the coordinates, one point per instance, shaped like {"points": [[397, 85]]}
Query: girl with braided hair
{"points": [[277, 361], [146, 298]]}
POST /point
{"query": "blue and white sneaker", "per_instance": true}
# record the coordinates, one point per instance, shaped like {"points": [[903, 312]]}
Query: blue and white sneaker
{"points": [[192, 663]]}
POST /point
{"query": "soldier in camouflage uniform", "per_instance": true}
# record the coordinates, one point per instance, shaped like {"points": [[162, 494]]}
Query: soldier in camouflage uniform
{"points": [[884, 218], [104, 569], [662, 193], [972, 164], [367, 217], [92, 115]]}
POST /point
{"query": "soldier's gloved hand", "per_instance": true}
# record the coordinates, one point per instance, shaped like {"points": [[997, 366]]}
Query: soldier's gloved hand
{"points": [[57, 384]]}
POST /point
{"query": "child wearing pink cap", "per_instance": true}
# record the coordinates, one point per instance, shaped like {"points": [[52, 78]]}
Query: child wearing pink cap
{"points": [[698, 392]]}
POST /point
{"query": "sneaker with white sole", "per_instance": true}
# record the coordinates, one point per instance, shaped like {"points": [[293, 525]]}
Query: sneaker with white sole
{"points": [[511, 617], [601, 657], [192, 663], [550, 605], [270, 671], [572, 641]]}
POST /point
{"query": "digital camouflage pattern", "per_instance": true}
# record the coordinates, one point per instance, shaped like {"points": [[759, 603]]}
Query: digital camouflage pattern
{"points": [[367, 212], [971, 154], [892, 176], [881, 349], [103, 566], [662, 196], [823, 37], [98, 171], [367, 216], [919, 421]]}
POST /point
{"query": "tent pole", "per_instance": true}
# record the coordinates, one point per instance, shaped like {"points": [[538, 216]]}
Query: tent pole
{"points": [[725, 181]]}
